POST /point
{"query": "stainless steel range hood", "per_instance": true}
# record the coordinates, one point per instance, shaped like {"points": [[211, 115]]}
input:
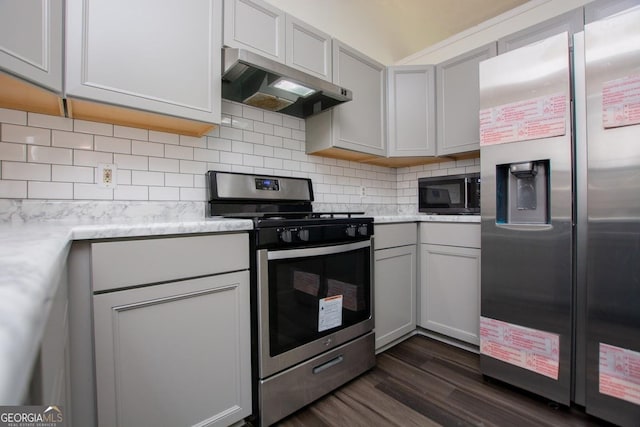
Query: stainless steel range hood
{"points": [[261, 82]]}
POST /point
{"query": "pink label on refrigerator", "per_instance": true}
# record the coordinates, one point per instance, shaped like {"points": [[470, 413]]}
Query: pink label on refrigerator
{"points": [[619, 373], [535, 118], [531, 349], [621, 102]]}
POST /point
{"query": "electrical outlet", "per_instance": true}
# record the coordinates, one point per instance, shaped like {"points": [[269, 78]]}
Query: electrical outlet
{"points": [[363, 191], [107, 175]]}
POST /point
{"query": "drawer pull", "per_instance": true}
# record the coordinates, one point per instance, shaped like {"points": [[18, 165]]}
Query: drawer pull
{"points": [[328, 364]]}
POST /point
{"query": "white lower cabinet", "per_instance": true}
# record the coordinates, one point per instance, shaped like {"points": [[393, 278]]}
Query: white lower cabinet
{"points": [[394, 282], [450, 280], [175, 351]]}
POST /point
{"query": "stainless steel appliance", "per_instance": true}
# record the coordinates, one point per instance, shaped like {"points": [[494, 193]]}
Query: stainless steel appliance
{"points": [[450, 195], [311, 291], [561, 218], [261, 82]]}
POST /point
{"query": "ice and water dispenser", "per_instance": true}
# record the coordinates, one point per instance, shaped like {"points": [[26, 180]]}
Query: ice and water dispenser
{"points": [[522, 192]]}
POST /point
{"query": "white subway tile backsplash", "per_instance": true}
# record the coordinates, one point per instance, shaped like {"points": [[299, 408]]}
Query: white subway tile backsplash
{"points": [[252, 137], [199, 181], [51, 155], [25, 134], [282, 131], [131, 192], [178, 180], [125, 161], [270, 162], [298, 134], [231, 108], [147, 178], [240, 123], [163, 137], [218, 144], [83, 126], [72, 173], [130, 133], [13, 189], [291, 122], [80, 141], [250, 160], [263, 150], [292, 144], [230, 158], [282, 153], [91, 158], [164, 165], [291, 165], [15, 152], [91, 192], [193, 194], [274, 141], [242, 147], [13, 116], [204, 155], [252, 113], [112, 145], [192, 141], [273, 118], [26, 171], [164, 193], [178, 152], [124, 177], [230, 133], [263, 128], [51, 122], [189, 166], [50, 190], [143, 148]]}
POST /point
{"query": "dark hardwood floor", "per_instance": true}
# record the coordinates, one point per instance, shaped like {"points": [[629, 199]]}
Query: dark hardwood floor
{"points": [[423, 382]]}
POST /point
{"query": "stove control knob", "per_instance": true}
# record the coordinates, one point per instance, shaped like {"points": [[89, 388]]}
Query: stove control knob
{"points": [[351, 231], [285, 236], [363, 230], [303, 234]]}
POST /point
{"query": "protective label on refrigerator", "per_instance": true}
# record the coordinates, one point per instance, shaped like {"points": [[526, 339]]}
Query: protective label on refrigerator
{"points": [[531, 349], [621, 102], [330, 313], [619, 373], [535, 118]]}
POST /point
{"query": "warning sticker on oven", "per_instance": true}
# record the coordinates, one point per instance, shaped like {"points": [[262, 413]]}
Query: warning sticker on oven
{"points": [[621, 102], [531, 349], [534, 118], [330, 313], [619, 373]]}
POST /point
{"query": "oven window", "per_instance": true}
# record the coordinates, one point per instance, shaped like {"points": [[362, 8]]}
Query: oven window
{"points": [[315, 296]]}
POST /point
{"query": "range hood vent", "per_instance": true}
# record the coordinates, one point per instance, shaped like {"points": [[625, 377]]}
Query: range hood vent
{"points": [[261, 82]]}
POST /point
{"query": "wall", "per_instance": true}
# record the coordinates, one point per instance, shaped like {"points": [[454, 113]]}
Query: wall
{"points": [[529, 14]]}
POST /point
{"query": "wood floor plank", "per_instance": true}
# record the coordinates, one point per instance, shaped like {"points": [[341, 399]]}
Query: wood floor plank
{"points": [[423, 382]]}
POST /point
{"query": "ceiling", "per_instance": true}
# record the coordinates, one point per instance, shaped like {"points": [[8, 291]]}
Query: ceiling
{"points": [[390, 30]]}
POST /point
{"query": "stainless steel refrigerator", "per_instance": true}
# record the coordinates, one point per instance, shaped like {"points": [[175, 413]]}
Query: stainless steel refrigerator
{"points": [[560, 170]]}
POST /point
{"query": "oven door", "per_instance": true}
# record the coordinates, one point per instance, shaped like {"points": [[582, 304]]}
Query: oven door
{"points": [[311, 300]]}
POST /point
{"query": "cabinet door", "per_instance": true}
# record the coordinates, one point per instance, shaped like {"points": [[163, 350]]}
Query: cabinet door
{"points": [[31, 41], [173, 67], [255, 25], [411, 111], [450, 291], [174, 354], [571, 22], [308, 49], [458, 95], [359, 124], [394, 293]]}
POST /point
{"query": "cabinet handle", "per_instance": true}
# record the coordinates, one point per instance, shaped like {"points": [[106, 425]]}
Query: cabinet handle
{"points": [[328, 364]]}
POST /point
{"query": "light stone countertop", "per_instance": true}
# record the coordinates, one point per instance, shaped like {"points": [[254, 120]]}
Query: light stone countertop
{"points": [[33, 256], [32, 259], [389, 219]]}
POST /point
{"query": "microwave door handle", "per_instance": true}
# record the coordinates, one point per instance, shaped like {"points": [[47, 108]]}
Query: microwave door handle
{"points": [[466, 193], [317, 251]]}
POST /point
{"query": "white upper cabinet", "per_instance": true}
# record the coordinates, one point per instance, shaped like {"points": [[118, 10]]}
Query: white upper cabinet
{"points": [[160, 56], [31, 41], [255, 25], [357, 125], [458, 95], [308, 49], [411, 111]]}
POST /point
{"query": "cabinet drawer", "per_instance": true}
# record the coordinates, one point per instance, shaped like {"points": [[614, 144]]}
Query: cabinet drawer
{"points": [[450, 234], [135, 262], [394, 235]]}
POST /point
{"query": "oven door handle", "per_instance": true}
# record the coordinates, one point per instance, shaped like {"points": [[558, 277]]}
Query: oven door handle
{"points": [[317, 251]]}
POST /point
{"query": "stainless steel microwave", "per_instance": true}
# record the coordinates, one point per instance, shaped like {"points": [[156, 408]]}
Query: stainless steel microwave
{"points": [[450, 195]]}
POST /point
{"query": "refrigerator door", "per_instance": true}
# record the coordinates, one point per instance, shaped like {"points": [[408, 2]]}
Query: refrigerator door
{"points": [[526, 172], [612, 59]]}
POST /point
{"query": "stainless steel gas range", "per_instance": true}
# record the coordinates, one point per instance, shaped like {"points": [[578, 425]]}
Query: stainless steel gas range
{"points": [[311, 293]]}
